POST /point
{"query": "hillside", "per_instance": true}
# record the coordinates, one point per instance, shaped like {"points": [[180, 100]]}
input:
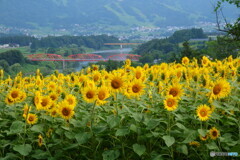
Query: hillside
{"points": [[66, 13]]}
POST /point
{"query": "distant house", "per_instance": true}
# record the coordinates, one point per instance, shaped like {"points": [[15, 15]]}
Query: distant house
{"points": [[11, 45]]}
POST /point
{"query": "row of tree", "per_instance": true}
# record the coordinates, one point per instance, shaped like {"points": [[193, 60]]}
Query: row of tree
{"points": [[95, 42], [178, 46]]}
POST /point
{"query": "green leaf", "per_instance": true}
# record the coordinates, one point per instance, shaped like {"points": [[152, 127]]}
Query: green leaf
{"points": [[151, 124], [182, 149], [24, 149], [40, 154], [99, 129], [82, 137], [138, 117], [181, 126], [190, 136], [37, 128], [169, 140], [133, 128], [110, 155], [202, 132], [69, 135], [235, 149], [122, 132], [71, 146], [139, 149], [212, 146], [75, 123], [113, 121], [17, 127]]}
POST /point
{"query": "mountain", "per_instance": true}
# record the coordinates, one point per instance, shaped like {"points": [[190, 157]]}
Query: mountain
{"points": [[63, 13]]}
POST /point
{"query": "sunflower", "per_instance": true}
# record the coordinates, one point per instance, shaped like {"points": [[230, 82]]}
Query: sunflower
{"points": [[31, 118], [1, 73], [203, 112], [220, 89], [139, 73], [71, 100], [136, 88], [203, 138], [95, 67], [205, 61], [146, 66], [38, 81], [65, 111], [103, 93], [22, 97], [170, 103], [96, 76], [40, 140], [26, 109], [117, 82], [89, 94], [82, 78], [37, 99], [8, 101], [194, 143], [185, 61], [175, 90], [214, 133], [128, 62], [59, 90], [51, 86], [14, 94], [53, 112], [54, 96], [45, 103]]}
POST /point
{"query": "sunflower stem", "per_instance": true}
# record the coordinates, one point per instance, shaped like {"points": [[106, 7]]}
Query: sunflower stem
{"points": [[92, 115]]}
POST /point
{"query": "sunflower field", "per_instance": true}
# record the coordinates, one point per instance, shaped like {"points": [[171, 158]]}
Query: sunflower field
{"points": [[166, 111]]}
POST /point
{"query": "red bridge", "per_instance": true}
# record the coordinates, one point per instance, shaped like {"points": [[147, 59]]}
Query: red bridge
{"points": [[81, 57]]}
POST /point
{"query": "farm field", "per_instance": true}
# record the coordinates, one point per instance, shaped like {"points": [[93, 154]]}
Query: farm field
{"points": [[167, 111]]}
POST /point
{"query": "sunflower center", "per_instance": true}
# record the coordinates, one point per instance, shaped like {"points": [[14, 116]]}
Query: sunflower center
{"points": [[136, 88], [14, 94], [101, 95], [173, 92], [70, 101], [170, 103], [52, 86], [36, 99], [9, 100], [90, 94], [30, 118], [138, 75], [65, 112], [203, 113], [44, 103], [116, 84], [214, 133], [54, 113], [96, 78], [216, 89], [53, 97]]}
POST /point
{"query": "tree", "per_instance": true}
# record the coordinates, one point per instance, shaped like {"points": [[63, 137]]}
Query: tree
{"points": [[187, 51], [230, 29]]}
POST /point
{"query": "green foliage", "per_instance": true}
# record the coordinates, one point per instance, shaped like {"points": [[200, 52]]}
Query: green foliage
{"points": [[95, 42], [12, 56], [186, 34], [231, 29], [17, 39]]}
